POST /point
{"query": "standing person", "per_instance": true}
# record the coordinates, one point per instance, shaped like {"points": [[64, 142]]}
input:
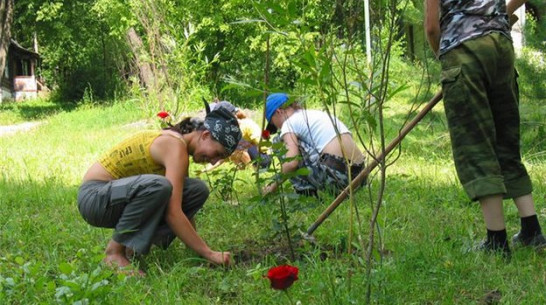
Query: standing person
{"points": [[472, 40], [141, 188], [314, 140]]}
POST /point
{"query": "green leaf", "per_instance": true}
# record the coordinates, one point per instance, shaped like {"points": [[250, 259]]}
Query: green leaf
{"points": [[19, 260], [304, 171], [343, 102], [65, 268], [397, 90]]}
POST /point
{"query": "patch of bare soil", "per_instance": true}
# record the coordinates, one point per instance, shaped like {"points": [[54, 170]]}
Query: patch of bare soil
{"points": [[251, 251]]}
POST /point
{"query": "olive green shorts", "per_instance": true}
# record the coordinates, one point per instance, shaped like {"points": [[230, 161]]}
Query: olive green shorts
{"points": [[481, 101]]}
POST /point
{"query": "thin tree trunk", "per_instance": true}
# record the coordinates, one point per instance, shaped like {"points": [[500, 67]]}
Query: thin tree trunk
{"points": [[145, 68], [6, 17]]}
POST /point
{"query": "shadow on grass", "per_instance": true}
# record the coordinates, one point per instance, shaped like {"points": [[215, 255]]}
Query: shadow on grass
{"points": [[35, 110]]}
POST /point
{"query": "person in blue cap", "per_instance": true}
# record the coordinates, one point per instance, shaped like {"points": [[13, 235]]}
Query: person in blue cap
{"points": [[313, 140]]}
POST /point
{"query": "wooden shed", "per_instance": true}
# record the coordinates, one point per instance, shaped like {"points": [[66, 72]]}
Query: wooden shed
{"points": [[19, 79]]}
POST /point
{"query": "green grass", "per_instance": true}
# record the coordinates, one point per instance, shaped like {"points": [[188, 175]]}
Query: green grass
{"points": [[32, 110], [49, 255]]}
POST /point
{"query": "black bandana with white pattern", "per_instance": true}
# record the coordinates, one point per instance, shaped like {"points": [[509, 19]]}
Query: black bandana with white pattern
{"points": [[224, 128]]}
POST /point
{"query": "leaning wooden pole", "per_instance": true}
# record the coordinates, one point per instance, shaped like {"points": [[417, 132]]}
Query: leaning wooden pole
{"points": [[373, 164]]}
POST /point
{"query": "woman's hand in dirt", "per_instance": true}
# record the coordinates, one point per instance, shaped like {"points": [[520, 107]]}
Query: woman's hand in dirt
{"points": [[221, 258]]}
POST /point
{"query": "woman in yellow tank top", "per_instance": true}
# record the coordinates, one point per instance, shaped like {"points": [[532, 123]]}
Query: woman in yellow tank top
{"points": [[141, 189]]}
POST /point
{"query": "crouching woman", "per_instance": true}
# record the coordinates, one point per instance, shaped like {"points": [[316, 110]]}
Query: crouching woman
{"points": [[141, 188]]}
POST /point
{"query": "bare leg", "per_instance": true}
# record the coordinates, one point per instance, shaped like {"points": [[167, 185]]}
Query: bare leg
{"points": [[493, 213], [531, 232], [526, 205]]}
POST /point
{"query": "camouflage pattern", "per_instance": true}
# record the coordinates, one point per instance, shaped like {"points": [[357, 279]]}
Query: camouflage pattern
{"points": [[464, 20], [322, 175], [481, 100]]}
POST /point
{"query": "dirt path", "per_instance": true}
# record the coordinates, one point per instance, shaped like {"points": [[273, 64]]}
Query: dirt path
{"points": [[11, 129]]}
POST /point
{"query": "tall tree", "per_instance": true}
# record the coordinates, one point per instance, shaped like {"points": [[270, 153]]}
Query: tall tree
{"points": [[145, 68], [6, 17]]}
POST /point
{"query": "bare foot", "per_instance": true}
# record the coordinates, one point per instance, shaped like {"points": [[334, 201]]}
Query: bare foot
{"points": [[130, 253], [116, 258], [121, 264]]}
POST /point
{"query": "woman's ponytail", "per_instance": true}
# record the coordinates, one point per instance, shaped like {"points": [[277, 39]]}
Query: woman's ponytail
{"points": [[187, 125]]}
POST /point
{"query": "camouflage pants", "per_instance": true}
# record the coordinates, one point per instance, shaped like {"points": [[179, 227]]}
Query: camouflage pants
{"points": [[481, 101], [326, 172]]}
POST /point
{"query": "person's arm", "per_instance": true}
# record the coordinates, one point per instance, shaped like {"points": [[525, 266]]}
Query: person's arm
{"points": [[210, 167], [432, 24], [292, 145], [174, 156], [513, 5]]}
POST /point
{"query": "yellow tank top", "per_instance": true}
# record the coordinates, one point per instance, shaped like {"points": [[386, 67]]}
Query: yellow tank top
{"points": [[251, 132], [132, 156]]}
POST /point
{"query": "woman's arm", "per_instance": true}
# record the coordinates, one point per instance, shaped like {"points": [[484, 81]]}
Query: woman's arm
{"points": [[292, 145], [210, 167], [170, 152], [432, 24]]}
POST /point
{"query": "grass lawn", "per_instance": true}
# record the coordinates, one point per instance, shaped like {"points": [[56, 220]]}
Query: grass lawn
{"points": [[49, 255]]}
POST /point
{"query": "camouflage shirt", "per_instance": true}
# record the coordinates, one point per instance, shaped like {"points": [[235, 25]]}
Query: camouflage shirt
{"points": [[462, 20]]}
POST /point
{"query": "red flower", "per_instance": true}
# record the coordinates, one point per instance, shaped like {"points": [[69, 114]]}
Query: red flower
{"points": [[282, 277], [266, 134], [163, 114]]}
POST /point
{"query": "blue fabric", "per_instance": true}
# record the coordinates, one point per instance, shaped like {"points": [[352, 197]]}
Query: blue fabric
{"points": [[274, 101]]}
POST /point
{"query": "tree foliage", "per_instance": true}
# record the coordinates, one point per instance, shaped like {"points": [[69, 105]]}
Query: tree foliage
{"points": [[198, 46], [78, 55]]}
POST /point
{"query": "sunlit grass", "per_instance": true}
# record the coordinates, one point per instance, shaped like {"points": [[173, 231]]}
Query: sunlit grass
{"points": [[426, 225]]}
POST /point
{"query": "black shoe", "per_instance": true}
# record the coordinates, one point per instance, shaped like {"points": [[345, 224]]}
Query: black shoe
{"points": [[492, 247], [536, 241]]}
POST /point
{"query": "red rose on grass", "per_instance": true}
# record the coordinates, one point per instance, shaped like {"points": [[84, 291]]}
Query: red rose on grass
{"points": [[266, 134], [282, 277], [163, 114]]}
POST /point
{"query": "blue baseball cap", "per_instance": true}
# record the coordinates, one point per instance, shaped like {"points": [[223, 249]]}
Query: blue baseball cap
{"points": [[273, 102]]}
